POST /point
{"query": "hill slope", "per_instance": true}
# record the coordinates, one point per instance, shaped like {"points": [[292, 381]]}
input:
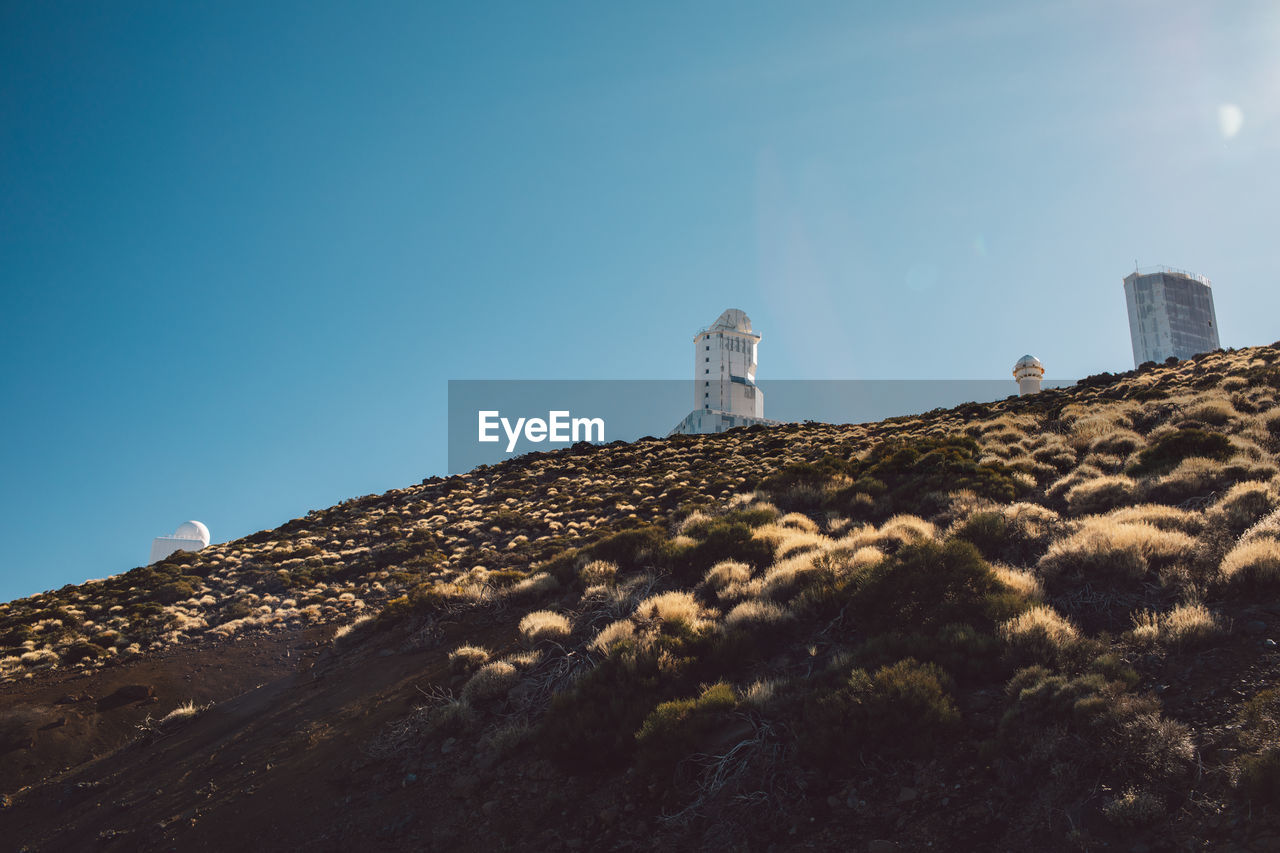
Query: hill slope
{"points": [[1038, 623]]}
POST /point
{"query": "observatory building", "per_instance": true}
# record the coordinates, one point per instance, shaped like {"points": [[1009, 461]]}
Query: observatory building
{"points": [[190, 536], [1170, 314], [1029, 373], [725, 394]]}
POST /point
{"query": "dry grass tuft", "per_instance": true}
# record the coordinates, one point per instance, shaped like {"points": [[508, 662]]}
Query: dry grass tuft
{"points": [[1185, 625], [1104, 548], [672, 607], [1040, 631], [598, 572], [1020, 581], [490, 681], [1101, 494], [1255, 563], [543, 625], [468, 658], [755, 613]]}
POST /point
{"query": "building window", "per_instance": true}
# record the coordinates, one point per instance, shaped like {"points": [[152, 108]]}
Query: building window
{"points": [[707, 360], [706, 384], [708, 370]]}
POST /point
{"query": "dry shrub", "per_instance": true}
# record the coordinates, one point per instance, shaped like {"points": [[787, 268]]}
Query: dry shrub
{"points": [[1162, 516], [1244, 504], [1106, 549], [543, 625], [673, 608], [1215, 411], [1186, 625], [598, 572], [534, 585], [1134, 808], [1039, 633], [491, 681], [468, 658], [615, 632], [907, 530], [1253, 564], [787, 541], [1020, 581], [799, 521], [1058, 489], [1101, 494], [756, 613], [1118, 442], [726, 573]]}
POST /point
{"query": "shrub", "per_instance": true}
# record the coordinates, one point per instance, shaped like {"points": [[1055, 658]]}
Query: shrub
{"points": [[1106, 550], [1161, 516], [543, 625], [598, 571], [725, 574], [1253, 565], [1039, 634], [677, 608], [80, 651], [1017, 533], [1101, 494], [490, 681], [916, 476], [925, 586], [1185, 625], [535, 585], [903, 708], [1244, 504], [1167, 451], [1134, 808], [1258, 772], [680, 727], [182, 713], [468, 658], [756, 613], [1077, 728], [1024, 583], [613, 634]]}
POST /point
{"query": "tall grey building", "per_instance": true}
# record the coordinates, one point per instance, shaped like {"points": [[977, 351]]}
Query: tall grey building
{"points": [[1170, 313]]}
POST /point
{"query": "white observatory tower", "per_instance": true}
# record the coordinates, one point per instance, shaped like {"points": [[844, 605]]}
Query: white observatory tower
{"points": [[725, 394], [190, 536], [1029, 373]]}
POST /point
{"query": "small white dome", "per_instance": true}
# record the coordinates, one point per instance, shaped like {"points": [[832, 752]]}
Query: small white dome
{"points": [[1028, 361], [733, 319], [192, 530]]}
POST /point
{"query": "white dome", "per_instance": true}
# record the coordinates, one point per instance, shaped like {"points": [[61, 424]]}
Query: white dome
{"points": [[1028, 366], [734, 319], [192, 530]]}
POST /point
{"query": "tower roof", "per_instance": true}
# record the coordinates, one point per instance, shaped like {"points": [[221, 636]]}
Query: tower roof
{"points": [[734, 320]]}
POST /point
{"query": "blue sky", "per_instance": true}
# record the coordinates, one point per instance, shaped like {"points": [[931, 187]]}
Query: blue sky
{"points": [[244, 246]]}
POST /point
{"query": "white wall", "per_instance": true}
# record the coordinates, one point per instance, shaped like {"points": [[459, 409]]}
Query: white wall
{"points": [[163, 546]]}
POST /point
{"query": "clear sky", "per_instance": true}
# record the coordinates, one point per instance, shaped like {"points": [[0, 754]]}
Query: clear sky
{"points": [[245, 245]]}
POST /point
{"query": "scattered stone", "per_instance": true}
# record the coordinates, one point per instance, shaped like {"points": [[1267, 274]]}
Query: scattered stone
{"points": [[882, 846], [448, 745], [1269, 643], [127, 694], [1257, 626], [906, 795]]}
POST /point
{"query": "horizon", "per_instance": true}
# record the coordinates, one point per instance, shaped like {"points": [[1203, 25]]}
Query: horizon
{"points": [[247, 248]]}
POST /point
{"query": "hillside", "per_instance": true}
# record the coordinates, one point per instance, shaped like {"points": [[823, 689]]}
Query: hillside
{"points": [[1041, 623]]}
